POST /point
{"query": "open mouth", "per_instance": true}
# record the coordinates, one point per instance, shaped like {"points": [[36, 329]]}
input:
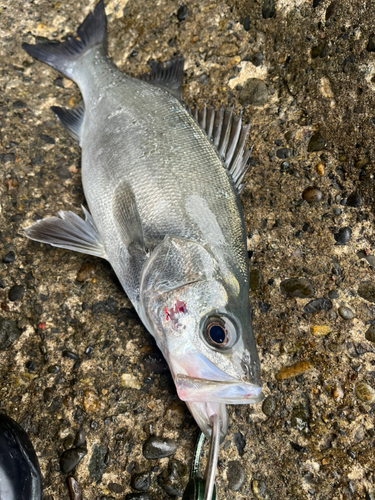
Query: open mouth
{"points": [[215, 391]]}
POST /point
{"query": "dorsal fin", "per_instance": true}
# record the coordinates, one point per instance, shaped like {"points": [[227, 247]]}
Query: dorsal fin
{"points": [[229, 136], [167, 76], [71, 119]]}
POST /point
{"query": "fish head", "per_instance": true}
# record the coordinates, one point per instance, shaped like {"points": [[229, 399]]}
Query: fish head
{"points": [[202, 324]]}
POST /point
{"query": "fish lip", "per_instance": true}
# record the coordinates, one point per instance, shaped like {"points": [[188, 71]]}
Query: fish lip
{"points": [[234, 391]]}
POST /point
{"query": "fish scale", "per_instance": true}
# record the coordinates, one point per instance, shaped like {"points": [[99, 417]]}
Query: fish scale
{"points": [[162, 189]]}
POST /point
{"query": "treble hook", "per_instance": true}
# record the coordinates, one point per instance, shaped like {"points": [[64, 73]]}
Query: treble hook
{"points": [[198, 488]]}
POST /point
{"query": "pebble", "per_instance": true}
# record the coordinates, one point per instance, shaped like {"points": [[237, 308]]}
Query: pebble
{"points": [[236, 475], [141, 481], [75, 490], [71, 458], [284, 166], [257, 59], [254, 92], [269, 406], [365, 392], [333, 294], [63, 172], [255, 279], [316, 143], [366, 290], [80, 438], [108, 306], [370, 334], [246, 23], [228, 49], [319, 169], [268, 9], [115, 488], [300, 419], [297, 287], [354, 200], [294, 370], [346, 313], [9, 257], [182, 13], [371, 43], [259, 489], [174, 479], [90, 401], [16, 293], [320, 330], [312, 194], [138, 496], [240, 442], [9, 333], [98, 462], [343, 235], [157, 447], [317, 305], [86, 272], [283, 153]]}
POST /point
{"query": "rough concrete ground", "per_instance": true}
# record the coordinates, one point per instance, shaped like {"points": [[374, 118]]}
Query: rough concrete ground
{"points": [[84, 361]]}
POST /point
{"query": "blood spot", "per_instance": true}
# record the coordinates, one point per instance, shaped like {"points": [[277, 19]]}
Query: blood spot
{"points": [[171, 313]]}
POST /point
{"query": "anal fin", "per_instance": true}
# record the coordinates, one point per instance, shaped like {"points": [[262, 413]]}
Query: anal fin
{"points": [[69, 231], [71, 119]]}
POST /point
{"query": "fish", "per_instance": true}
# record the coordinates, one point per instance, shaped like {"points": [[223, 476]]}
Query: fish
{"points": [[162, 185]]}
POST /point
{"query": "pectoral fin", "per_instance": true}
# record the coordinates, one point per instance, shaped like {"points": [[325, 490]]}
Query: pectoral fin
{"points": [[69, 231]]}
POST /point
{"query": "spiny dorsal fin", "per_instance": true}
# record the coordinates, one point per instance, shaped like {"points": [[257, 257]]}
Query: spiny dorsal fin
{"points": [[167, 76], [229, 136], [69, 231], [71, 119]]}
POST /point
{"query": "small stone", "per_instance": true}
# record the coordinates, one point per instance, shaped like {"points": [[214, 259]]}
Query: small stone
{"points": [[320, 330], [90, 401], [319, 168], [316, 143], [268, 9], [354, 200], [141, 481], [332, 294], [343, 235], [80, 438], [246, 23], [297, 287], [363, 162], [115, 488], [71, 458], [370, 334], [86, 272], [98, 462], [236, 475], [228, 49], [346, 313], [108, 306], [157, 447], [70, 355], [257, 59], [255, 279], [371, 43], [182, 13], [9, 333], [366, 290], [259, 489], [284, 166], [174, 479], [47, 139], [283, 153], [300, 419], [240, 441], [312, 194], [338, 392], [63, 172], [7, 157], [254, 93], [75, 491], [9, 257], [130, 381], [317, 305], [294, 370], [16, 293], [269, 405], [365, 392], [138, 496]]}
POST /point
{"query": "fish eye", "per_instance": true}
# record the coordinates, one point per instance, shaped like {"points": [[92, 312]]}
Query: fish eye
{"points": [[219, 332]]}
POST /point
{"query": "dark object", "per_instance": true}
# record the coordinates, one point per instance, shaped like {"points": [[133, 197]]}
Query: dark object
{"points": [[331, 9], [9, 332], [71, 458], [283, 153], [254, 92], [240, 442], [138, 496], [332, 294], [246, 23], [75, 491], [317, 305], [316, 143], [371, 43], [20, 476], [343, 236], [182, 13], [316, 3], [370, 333], [366, 290], [269, 406], [268, 9], [16, 293], [98, 462], [141, 481], [9, 257], [174, 479], [297, 287], [156, 447], [298, 447], [236, 475], [354, 200], [257, 59], [312, 194]]}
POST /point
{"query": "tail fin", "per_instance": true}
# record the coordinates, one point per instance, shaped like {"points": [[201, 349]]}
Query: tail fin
{"points": [[62, 56]]}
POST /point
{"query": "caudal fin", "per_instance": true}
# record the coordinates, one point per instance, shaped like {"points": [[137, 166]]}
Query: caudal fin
{"points": [[62, 56]]}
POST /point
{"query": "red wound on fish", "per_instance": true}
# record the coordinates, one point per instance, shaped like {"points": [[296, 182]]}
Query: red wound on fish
{"points": [[179, 307]]}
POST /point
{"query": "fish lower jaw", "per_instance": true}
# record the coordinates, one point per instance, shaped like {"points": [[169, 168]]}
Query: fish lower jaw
{"points": [[227, 392]]}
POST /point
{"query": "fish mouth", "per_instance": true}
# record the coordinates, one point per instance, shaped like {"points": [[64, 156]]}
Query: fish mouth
{"points": [[193, 389]]}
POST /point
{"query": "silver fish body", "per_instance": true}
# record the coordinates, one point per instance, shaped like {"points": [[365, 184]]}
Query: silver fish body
{"points": [[165, 213]]}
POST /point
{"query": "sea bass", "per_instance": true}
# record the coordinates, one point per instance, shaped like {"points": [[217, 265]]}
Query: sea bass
{"points": [[162, 187]]}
